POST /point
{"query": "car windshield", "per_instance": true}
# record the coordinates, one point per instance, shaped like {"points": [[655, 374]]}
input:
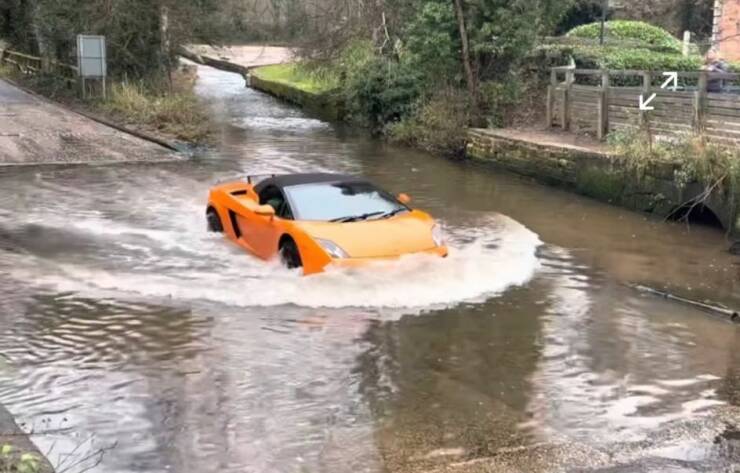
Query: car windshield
{"points": [[340, 201]]}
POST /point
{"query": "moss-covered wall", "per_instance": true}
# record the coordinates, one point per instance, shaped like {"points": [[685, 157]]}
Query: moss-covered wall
{"points": [[328, 106], [596, 174]]}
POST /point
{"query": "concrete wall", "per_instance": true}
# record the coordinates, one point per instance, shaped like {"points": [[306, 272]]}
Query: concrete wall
{"points": [[596, 174]]}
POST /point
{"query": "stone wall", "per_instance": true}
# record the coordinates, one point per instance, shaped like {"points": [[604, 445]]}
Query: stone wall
{"points": [[595, 173]]}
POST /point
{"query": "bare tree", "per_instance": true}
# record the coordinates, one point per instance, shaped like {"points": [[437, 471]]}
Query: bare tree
{"points": [[470, 74]]}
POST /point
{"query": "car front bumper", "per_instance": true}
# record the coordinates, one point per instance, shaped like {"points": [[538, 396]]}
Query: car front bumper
{"points": [[440, 251]]}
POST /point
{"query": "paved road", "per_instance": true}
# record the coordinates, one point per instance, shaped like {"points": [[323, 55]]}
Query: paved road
{"points": [[36, 131]]}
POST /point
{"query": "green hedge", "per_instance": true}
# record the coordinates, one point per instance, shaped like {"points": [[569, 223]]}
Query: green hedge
{"points": [[609, 57], [630, 30]]}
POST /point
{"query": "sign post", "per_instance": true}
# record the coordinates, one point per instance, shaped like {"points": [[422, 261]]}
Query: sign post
{"points": [[91, 60]]}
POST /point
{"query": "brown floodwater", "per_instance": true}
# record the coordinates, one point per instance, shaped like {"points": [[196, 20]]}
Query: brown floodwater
{"points": [[127, 330]]}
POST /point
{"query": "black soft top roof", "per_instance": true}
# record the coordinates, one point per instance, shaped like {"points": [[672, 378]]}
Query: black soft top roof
{"points": [[286, 180]]}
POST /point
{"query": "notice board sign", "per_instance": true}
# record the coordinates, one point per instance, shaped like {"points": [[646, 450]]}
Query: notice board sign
{"points": [[91, 56]]}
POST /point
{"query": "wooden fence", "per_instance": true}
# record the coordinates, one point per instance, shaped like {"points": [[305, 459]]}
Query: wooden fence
{"points": [[28, 64], [598, 102]]}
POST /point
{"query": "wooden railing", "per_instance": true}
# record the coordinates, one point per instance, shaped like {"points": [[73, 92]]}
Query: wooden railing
{"points": [[601, 101], [28, 64]]}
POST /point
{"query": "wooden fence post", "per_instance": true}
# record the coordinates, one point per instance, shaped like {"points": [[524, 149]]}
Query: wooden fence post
{"points": [[551, 96], [647, 84], [565, 110], [602, 128], [700, 100]]}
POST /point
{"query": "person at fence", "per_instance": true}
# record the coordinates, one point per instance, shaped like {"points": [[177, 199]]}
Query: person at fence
{"points": [[714, 63]]}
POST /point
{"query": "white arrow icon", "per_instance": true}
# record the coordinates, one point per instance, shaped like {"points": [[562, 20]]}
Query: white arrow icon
{"points": [[644, 104], [672, 77]]}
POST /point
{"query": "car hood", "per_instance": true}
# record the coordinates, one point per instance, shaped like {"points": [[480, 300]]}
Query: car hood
{"points": [[406, 233]]}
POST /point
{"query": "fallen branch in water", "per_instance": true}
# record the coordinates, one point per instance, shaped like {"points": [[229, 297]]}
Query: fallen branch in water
{"points": [[718, 309]]}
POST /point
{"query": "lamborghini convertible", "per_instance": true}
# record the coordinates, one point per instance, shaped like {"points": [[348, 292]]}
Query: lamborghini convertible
{"points": [[312, 220]]}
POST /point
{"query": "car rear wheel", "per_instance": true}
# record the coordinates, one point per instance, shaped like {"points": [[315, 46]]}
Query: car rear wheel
{"points": [[289, 254], [213, 221]]}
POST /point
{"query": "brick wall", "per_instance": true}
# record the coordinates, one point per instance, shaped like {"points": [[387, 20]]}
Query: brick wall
{"points": [[727, 28]]}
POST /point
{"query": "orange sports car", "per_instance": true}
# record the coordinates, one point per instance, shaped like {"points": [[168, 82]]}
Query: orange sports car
{"points": [[313, 220]]}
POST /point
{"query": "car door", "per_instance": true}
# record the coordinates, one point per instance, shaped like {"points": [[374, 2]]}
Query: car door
{"points": [[262, 233]]}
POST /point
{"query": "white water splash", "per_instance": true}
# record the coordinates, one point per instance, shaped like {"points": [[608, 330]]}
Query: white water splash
{"points": [[484, 261]]}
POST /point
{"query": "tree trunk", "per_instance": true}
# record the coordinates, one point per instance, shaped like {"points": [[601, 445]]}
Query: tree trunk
{"points": [[165, 46], [470, 76]]}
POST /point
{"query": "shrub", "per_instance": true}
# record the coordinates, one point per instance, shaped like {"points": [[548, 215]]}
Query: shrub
{"points": [[178, 114], [630, 30], [500, 98], [381, 91], [437, 124]]}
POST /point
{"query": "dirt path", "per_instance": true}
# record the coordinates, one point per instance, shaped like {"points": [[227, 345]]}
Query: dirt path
{"points": [[37, 131]]}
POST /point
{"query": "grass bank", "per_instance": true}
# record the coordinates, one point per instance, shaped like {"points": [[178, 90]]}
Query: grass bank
{"points": [[171, 112], [299, 77], [311, 89]]}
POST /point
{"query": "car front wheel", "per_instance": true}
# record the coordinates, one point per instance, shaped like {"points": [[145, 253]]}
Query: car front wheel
{"points": [[213, 221], [289, 254]]}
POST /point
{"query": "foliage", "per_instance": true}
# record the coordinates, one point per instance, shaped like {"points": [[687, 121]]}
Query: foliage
{"points": [[392, 68], [630, 30], [381, 91], [500, 99], [502, 32], [140, 42], [433, 42], [17, 462], [613, 57], [438, 124]]}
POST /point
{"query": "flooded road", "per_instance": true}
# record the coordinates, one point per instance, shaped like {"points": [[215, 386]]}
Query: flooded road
{"points": [[128, 330]]}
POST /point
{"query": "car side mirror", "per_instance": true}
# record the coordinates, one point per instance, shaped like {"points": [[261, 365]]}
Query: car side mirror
{"points": [[403, 198], [265, 210]]}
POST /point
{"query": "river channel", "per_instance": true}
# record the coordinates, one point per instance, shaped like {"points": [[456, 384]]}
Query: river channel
{"points": [[128, 330]]}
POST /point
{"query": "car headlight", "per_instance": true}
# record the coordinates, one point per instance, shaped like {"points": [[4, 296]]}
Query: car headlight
{"points": [[334, 250], [438, 235]]}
